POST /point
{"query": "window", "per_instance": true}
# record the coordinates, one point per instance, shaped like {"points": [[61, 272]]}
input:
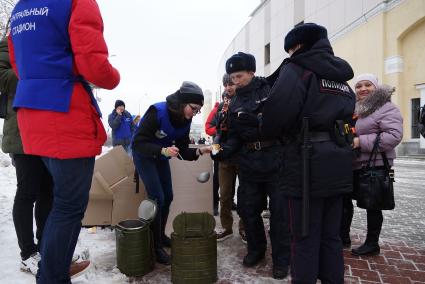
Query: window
{"points": [[267, 54], [416, 104]]}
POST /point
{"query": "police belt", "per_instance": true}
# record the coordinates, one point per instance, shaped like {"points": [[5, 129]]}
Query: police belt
{"points": [[262, 144], [319, 136]]}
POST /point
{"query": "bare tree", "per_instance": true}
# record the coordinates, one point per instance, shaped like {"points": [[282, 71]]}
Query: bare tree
{"points": [[6, 7]]}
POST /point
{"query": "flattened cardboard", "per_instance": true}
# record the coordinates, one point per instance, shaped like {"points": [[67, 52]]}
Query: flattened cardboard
{"points": [[126, 200], [189, 194], [98, 213], [114, 166]]}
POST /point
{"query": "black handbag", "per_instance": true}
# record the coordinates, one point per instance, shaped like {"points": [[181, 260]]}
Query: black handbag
{"points": [[373, 187]]}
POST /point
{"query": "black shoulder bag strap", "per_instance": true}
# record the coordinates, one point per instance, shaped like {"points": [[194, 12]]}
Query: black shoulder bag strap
{"points": [[374, 153]]}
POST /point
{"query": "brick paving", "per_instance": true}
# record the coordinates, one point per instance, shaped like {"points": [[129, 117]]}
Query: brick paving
{"points": [[402, 258]]}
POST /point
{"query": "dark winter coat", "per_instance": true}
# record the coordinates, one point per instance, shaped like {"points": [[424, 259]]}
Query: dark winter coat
{"points": [[377, 114], [312, 83], [11, 142], [145, 135], [244, 117], [122, 127]]}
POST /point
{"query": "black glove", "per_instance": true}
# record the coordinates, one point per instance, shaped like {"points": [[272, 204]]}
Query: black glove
{"points": [[217, 157]]}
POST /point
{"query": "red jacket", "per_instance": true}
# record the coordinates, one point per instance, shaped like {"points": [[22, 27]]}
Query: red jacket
{"points": [[78, 133], [210, 127]]}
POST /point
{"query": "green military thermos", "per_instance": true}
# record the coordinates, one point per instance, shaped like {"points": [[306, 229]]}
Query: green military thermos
{"points": [[134, 242], [194, 249]]}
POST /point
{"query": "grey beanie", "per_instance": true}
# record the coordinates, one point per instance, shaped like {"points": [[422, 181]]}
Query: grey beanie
{"points": [[191, 93]]}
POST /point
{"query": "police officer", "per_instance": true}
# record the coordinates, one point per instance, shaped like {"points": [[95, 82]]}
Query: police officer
{"points": [[312, 85], [259, 169]]}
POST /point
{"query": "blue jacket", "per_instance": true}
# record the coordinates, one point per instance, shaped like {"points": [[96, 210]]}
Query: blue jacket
{"points": [[156, 131], [122, 127], [167, 135]]}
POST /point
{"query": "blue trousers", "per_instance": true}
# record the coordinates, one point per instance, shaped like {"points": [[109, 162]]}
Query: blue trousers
{"points": [[72, 181], [156, 176], [319, 255]]}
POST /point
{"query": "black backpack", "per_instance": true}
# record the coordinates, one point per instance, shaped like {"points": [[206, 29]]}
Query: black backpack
{"points": [[421, 120]]}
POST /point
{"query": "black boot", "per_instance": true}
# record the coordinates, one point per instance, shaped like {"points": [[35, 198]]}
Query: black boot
{"points": [[161, 255], [280, 272], [166, 241], [252, 259], [346, 241], [366, 249], [374, 225], [347, 217]]}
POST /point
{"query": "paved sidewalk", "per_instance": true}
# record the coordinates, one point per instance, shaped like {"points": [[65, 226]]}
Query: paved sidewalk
{"points": [[402, 258]]}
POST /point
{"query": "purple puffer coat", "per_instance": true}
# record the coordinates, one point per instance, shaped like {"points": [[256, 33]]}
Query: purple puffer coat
{"points": [[377, 114]]}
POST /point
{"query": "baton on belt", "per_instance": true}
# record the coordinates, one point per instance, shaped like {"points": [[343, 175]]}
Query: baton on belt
{"points": [[306, 149]]}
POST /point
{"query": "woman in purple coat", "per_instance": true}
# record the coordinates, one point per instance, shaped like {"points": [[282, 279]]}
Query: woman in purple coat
{"points": [[375, 114]]}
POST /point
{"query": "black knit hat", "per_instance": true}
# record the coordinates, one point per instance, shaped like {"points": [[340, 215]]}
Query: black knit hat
{"points": [[190, 93], [307, 34], [240, 62], [119, 103]]}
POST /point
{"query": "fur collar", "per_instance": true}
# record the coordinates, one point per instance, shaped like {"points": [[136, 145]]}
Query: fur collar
{"points": [[374, 101]]}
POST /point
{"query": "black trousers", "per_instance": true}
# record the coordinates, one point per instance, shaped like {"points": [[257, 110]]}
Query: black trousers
{"points": [[319, 255], [34, 187], [374, 221], [251, 199], [216, 185]]}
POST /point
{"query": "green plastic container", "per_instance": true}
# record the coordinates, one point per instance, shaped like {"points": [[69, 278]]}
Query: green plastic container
{"points": [[134, 243], [194, 249]]}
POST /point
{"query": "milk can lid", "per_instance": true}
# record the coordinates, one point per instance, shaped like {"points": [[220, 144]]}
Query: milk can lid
{"points": [[147, 210]]}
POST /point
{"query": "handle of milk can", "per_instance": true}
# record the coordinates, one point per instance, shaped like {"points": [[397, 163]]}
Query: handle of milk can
{"points": [[120, 234]]}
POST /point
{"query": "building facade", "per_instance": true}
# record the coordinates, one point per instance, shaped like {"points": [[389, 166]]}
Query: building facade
{"points": [[386, 38]]}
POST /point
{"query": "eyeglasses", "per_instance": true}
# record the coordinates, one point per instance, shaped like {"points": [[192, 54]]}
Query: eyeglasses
{"points": [[195, 109]]}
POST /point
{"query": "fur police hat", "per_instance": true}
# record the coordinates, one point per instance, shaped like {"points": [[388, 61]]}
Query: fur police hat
{"points": [[240, 62], [190, 93], [307, 34]]}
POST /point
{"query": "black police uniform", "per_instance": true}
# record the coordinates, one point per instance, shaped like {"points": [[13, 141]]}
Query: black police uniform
{"points": [[259, 171], [312, 83]]}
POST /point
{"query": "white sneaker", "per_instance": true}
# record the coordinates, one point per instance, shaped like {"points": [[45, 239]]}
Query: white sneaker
{"points": [[31, 263]]}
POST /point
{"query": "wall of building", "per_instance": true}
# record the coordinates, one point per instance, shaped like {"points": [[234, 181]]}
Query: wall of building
{"points": [[386, 38]]}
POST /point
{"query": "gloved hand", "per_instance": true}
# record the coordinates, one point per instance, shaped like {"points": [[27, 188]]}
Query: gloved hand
{"points": [[217, 157]]}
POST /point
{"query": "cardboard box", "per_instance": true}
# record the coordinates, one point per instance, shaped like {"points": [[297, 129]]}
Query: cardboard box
{"points": [[113, 196]]}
